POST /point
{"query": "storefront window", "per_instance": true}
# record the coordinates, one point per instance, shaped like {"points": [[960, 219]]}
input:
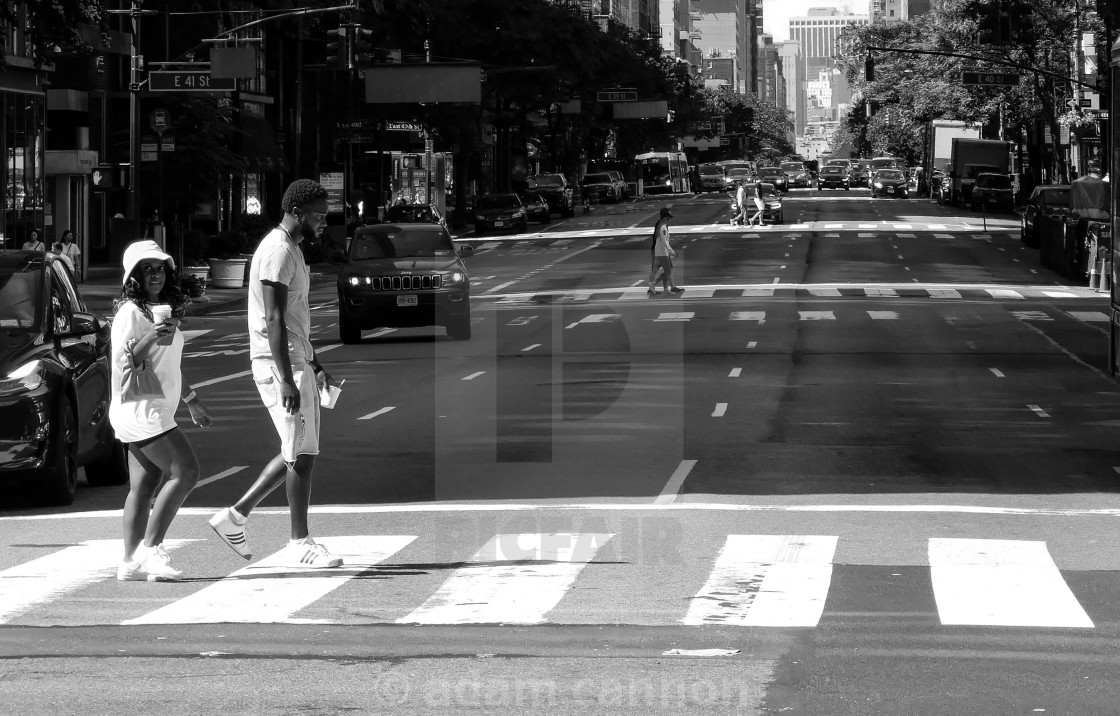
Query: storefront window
{"points": [[251, 193], [21, 144]]}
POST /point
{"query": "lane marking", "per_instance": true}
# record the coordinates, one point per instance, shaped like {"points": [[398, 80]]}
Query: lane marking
{"points": [[766, 580], [997, 372], [1038, 411], [472, 376], [752, 344], [1089, 316], [720, 411], [1068, 354], [883, 315], [735, 373], [989, 582], [222, 475], [499, 287], [673, 486], [60, 573], [679, 316], [759, 316], [379, 411], [526, 349], [512, 579], [271, 591], [817, 315]]}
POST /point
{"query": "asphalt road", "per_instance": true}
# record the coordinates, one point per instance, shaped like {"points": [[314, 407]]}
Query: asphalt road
{"points": [[865, 464]]}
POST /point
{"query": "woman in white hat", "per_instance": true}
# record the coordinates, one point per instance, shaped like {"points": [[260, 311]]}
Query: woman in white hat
{"points": [[147, 344]]}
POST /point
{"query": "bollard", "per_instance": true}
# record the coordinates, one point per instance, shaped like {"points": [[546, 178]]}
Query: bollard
{"points": [[1095, 274], [1106, 274]]}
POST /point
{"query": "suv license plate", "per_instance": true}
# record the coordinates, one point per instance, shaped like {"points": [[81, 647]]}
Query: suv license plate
{"points": [[499, 223], [408, 301]]}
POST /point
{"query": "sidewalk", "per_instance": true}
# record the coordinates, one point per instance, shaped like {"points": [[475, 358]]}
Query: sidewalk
{"points": [[103, 285]]}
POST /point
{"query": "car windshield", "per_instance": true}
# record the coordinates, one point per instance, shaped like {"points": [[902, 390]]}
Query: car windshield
{"points": [[769, 191], [545, 180], [1055, 196], [20, 292], [996, 181], [793, 167], [884, 163], [499, 201], [739, 173], [769, 171], [890, 175], [597, 179], [710, 169], [409, 214], [388, 241]]}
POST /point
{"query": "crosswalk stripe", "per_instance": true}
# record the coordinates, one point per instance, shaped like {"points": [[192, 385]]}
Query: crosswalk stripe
{"points": [[883, 315], [755, 292], [1059, 294], [513, 579], [759, 316], [824, 292], [700, 292], [1003, 293], [881, 292], [991, 582], [63, 572], [269, 591], [943, 293], [676, 316], [817, 315], [766, 580]]}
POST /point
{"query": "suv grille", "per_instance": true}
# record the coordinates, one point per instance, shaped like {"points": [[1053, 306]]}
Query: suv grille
{"points": [[406, 283]]}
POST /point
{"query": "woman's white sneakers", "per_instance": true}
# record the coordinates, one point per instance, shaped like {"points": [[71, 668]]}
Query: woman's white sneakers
{"points": [[232, 533], [148, 564]]}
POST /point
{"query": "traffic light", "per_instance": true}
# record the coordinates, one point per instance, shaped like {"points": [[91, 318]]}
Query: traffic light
{"points": [[361, 47], [995, 22], [869, 68], [338, 47], [103, 177]]}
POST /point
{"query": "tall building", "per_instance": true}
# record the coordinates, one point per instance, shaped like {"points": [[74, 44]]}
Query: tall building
{"points": [[767, 89], [819, 34], [889, 10], [678, 36], [641, 16], [720, 72], [755, 33], [724, 28], [789, 51]]}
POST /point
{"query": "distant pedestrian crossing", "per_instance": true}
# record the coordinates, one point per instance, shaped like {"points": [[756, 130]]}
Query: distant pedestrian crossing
{"points": [[750, 580]]}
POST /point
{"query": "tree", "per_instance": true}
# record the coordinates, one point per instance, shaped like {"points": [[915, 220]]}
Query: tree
{"points": [[49, 25]]}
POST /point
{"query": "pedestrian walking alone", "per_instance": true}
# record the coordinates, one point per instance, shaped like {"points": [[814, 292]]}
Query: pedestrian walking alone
{"points": [[740, 216], [287, 375], [662, 256], [147, 351]]}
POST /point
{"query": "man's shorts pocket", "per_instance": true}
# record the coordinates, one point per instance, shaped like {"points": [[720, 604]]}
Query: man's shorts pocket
{"points": [[268, 390]]}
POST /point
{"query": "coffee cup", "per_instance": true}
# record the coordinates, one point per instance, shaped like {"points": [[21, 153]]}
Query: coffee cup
{"points": [[160, 314]]}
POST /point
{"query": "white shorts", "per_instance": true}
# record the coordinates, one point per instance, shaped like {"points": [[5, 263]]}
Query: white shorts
{"points": [[299, 431]]}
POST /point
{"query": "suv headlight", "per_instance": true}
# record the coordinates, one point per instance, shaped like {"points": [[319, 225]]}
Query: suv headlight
{"points": [[26, 378], [454, 277], [878, 185]]}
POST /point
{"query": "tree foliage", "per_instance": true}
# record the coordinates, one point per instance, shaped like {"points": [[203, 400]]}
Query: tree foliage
{"points": [[49, 24], [916, 88]]}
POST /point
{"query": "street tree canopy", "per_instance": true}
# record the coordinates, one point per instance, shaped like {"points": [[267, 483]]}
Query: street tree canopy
{"points": [[48, 26]]}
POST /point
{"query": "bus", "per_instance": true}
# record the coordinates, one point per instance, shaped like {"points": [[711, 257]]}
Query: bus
{"points": [[663, 172]]}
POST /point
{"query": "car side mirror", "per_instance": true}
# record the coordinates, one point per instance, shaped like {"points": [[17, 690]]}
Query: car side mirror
{"points": [[465, 250], [82, 324]]}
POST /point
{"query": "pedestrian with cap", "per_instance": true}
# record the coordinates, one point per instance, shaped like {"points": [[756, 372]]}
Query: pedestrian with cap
{"points": [[663, 255], [147, 387]]}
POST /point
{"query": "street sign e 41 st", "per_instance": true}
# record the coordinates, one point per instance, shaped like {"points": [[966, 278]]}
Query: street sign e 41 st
{"points": [[189, 81]]}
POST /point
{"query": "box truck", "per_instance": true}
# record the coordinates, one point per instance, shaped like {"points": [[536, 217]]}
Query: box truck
{"points": [[972, 157]]}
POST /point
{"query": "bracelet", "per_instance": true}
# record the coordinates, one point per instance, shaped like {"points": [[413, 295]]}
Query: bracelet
{"points": [[190, 396], [317, 368]]}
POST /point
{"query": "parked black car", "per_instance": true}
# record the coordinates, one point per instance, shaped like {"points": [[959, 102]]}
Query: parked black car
{"points": [[1045, 199], [556, 191], [499, 212], [54, 382], [993, 189], [404, 275], [536, 208]]}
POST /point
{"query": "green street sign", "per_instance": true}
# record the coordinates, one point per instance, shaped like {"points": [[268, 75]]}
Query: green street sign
{"points": [[991, 78], [189, 81]]}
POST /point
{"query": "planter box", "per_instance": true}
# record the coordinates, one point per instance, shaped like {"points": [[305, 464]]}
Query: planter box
{"points": [[228, 273], [202, 272]]}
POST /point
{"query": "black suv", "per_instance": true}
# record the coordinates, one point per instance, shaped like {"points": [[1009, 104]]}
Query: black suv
{"points": [[404, 275], [556, 191]]}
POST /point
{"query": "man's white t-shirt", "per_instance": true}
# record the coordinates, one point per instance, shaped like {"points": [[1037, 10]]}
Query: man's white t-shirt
{"points": [[279, 260]]}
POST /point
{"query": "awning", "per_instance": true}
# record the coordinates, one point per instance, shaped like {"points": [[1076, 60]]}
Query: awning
{"points": [[259, 147]]}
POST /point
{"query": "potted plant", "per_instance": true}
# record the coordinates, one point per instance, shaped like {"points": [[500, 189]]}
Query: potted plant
{"points": [[193, 285], [194, 249], [228, 262]]}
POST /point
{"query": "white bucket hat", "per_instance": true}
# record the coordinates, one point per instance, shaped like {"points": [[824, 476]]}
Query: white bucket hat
{"points": [[140, 250]]}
